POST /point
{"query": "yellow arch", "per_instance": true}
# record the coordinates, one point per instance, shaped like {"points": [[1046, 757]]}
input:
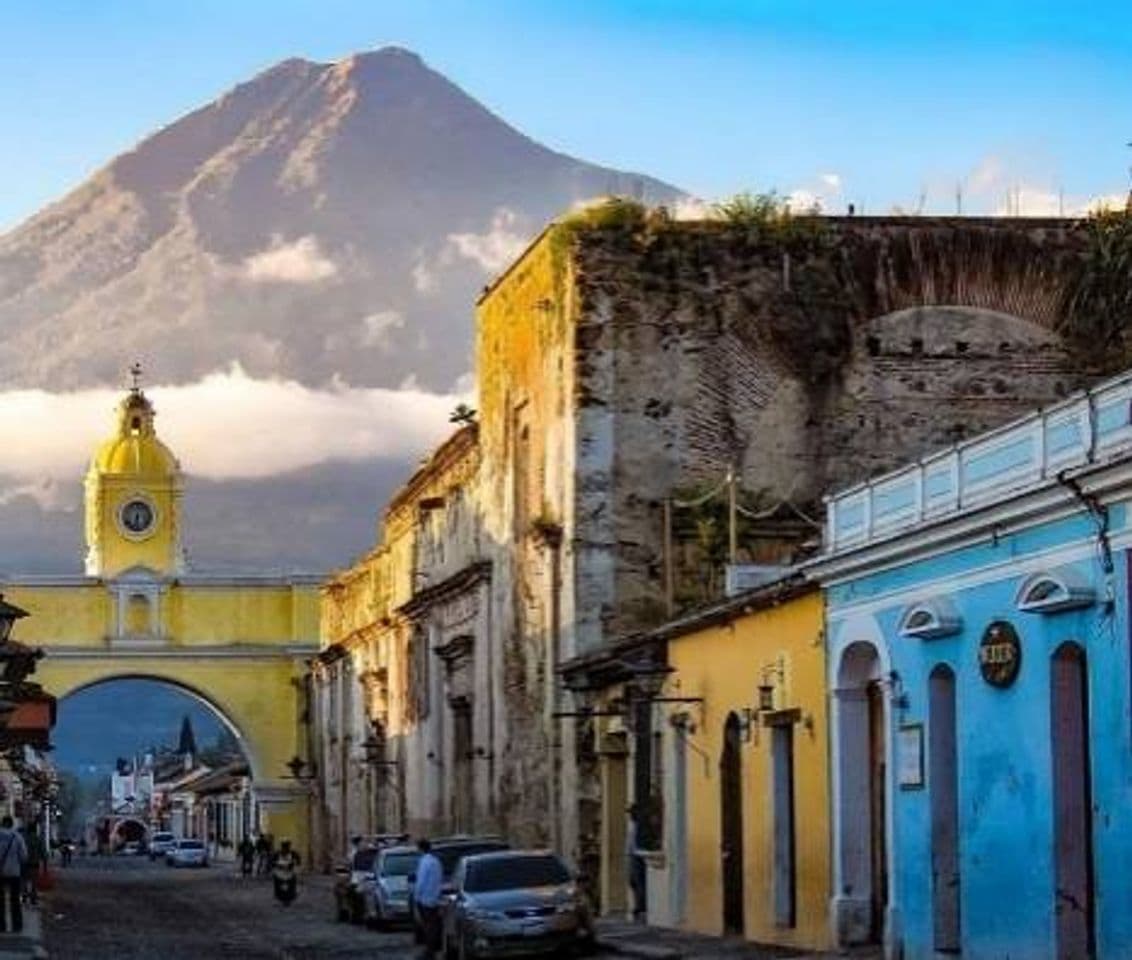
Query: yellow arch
{"points": [[254, 696]]}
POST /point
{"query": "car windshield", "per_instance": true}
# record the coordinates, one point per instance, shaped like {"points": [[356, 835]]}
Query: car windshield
{"points": [[363, 860], [515, 873], [399, 864], [162, 837], [191, 845], [450, 856]]}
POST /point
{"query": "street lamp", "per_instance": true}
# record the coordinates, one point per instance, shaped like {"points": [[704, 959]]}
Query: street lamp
{"points": [[297, 765], [9, 614]]}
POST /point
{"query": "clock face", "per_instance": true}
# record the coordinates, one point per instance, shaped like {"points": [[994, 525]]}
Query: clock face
{"points": [[137, 516]]}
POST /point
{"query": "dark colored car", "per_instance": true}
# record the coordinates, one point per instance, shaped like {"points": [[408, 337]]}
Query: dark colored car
{"points": [[350, 881], [450, 851]]}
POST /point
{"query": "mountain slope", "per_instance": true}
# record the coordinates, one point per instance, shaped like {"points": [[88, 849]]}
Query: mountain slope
{"points": [[320, 220]]}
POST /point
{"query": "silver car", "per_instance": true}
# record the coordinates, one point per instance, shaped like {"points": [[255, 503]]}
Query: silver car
{"points": [[387, 893], [518, 901]]}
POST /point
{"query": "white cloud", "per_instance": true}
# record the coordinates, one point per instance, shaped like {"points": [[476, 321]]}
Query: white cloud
{"points": [[377, 328], [496, 247], [47, 492], [1008, 188], [424, 281], [226, 425], [301, 261], [693, 208], [831, 181]]}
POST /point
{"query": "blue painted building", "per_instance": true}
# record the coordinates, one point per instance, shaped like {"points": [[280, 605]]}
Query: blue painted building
{"points": [[979, 668]]}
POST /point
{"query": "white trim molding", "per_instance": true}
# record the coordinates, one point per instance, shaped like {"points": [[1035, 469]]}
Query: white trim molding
{"points": [[930, 619], [1051, 591]]}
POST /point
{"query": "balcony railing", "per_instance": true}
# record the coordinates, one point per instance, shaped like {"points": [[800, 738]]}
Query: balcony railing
{"points": [[1089, 427]]}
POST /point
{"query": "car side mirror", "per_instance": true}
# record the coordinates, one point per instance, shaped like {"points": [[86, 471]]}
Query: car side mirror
{"points": [[411, 878]]}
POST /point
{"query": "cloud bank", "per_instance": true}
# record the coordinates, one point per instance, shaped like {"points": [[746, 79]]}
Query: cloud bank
{"points": [[299, 262], [226, 426], [497, 246]]}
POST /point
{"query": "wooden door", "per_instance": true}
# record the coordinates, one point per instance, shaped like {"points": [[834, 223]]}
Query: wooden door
{"points": [[943, 788], [878, 812], [1074, 907], [731, 826]]}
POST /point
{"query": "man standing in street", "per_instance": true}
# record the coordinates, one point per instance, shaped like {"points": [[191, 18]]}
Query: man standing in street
{"points": [[13, 856], [426, 895]]}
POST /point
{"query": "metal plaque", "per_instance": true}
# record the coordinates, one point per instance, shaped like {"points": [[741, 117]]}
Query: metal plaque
{"points": [[1000, 654]]}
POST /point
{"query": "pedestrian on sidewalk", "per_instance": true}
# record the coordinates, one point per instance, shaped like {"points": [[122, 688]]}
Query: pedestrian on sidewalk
{"points": [[36, 855], [13, 856], [284, 873], [426, 895], [246, 850], [638, 877]]}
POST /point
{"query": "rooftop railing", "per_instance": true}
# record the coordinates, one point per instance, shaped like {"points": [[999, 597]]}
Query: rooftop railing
{"points": [[1089, 427]]}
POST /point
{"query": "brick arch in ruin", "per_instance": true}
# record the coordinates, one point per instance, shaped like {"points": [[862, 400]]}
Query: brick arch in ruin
{"points": [[860, 269], [905, 335]]}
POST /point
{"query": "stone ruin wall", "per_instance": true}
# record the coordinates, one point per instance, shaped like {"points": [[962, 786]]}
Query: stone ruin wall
{"points": [[811, 365]]}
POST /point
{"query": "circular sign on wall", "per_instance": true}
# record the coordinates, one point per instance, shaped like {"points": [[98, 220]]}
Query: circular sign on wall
{"points": [[1000, 654]]}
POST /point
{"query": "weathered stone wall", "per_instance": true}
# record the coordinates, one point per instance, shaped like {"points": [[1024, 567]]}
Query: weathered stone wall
{"points": [[524, 376], [811, 360]]}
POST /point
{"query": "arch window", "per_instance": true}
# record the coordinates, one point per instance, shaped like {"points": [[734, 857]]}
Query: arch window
{"points": [[930, 619], [1052, 591]]}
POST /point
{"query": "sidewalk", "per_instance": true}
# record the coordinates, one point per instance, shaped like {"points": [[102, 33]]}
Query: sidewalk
{"points": [[657, 943], [28, 943]]}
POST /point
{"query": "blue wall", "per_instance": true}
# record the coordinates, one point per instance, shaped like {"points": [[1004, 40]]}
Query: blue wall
{"points": [[1004, 744]]}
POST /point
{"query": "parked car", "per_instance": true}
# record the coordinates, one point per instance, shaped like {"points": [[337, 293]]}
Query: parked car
{"points": [[387, 897], [160, 844], [518, 901], [350, 882], [187, 853], [450, 850]]}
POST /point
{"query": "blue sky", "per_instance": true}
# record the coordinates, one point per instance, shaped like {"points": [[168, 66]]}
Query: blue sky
{"points": [[874, 102]]}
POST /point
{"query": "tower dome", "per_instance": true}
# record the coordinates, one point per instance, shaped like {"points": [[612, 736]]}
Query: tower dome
{"points": [[135, 448], [133, 497]]}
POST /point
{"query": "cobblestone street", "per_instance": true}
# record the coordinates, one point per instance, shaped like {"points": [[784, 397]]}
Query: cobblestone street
{"points": [[125, 908]]}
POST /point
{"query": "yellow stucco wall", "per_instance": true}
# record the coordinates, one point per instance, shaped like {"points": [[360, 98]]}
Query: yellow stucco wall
{"points": [[724, 665], [84, 614]]}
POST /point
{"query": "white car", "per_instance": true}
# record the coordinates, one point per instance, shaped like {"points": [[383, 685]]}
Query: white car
{"points": [[161, 844], [187, 853], [386, 894]]}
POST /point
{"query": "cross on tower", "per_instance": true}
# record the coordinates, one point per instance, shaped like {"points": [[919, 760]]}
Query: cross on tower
{"points": [[135, 377]]}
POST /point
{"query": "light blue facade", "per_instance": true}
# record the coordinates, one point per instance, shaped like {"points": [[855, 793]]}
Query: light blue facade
{"points": [[969, 568]]}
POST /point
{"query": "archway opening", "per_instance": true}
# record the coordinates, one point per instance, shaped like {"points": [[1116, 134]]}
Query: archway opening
{"points": [[137, 757], [862, 796]]}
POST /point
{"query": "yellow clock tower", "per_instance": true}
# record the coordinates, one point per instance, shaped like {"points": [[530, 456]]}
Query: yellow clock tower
{"points": [[133, 498]]}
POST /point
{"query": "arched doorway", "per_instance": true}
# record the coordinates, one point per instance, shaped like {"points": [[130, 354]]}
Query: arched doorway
{"points": [[1074, 890], [731, 825], [861, 796]]}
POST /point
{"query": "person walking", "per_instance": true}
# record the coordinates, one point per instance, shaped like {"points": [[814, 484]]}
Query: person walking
{"points": [[636, 863], [263, 858], [284, 874], [426, 896], [13, 856], [246, 850], [33, 844]]}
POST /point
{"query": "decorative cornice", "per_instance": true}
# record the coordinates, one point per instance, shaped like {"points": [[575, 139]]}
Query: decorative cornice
{"points": [[458, 583], [242, 652]]}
